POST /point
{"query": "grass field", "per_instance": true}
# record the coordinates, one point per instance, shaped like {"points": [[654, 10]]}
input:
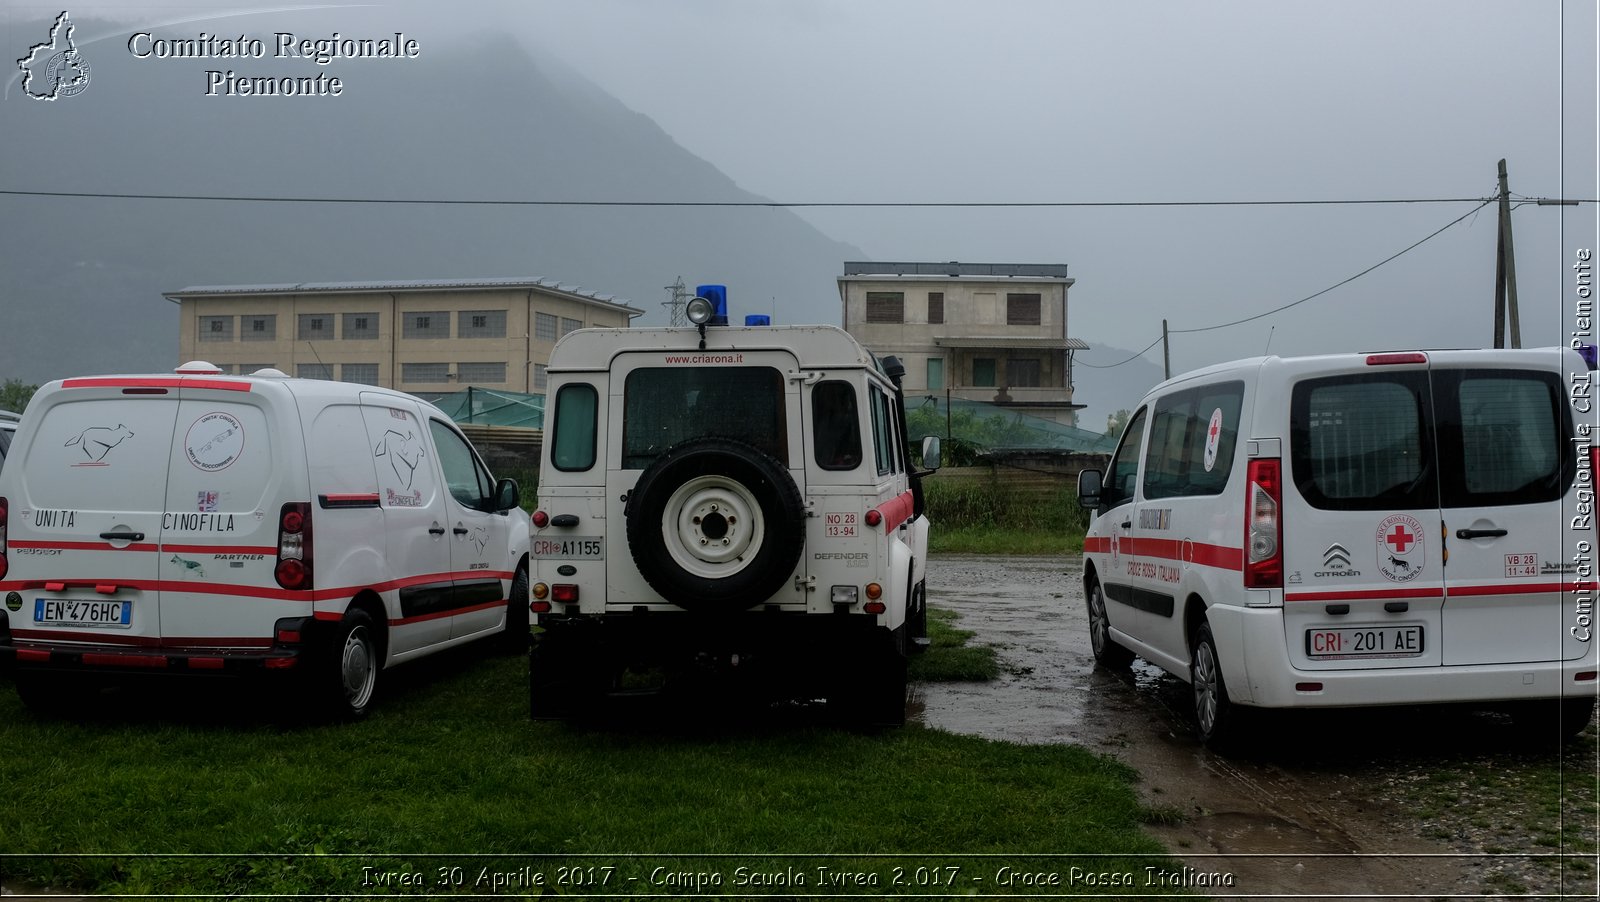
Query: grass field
{"points": [[449, 764], [972, 517]]}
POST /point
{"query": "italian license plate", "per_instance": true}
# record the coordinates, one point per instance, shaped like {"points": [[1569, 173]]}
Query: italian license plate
{"points": [[78, 612], [1340, 643], [567, 548]]}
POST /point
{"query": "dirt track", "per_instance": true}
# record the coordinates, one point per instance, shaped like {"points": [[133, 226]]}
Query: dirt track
{"points": [[1312, 812]]}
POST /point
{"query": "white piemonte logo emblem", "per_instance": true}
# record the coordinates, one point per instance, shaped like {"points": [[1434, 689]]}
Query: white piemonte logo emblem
{"points": [[55, 68]]}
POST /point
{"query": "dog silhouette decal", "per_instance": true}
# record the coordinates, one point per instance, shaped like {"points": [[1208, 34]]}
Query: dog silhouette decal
{"points": [[96, 441]]}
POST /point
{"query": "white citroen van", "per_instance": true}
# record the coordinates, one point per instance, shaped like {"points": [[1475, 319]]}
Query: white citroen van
{"points": [[1357, 529], [201, 523]]}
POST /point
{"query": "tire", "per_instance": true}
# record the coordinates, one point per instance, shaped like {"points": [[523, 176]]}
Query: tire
{"points": [[514, 640], [349, 678], [50, 695], [1542, 719], [917, 621], [1107, 653], [715, 525], [872, 694], [1217, 720], [567, 676]]}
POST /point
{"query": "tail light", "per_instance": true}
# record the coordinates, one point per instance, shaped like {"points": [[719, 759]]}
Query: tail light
{"points": [[5, 565], [1263, 526], [294, 546]]}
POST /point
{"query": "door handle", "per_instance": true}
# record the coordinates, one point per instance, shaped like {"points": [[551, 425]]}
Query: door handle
{"points": [[1479, 533], [460, 530], [436, 530], [1127, 524], [123, 534]]}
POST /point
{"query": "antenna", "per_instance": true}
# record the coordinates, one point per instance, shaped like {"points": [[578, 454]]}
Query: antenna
{"points": [[1269, 341]]}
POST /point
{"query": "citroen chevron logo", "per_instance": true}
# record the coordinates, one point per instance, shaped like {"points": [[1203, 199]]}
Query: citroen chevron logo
{"points": [[1337, 557]]}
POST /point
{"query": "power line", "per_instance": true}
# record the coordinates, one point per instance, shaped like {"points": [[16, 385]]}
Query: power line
{"points": [[1485, 202], [246, 198]]}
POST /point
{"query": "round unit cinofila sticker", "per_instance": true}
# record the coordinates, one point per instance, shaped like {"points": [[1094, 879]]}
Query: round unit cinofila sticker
{"points": [[1401, 548], [214, 441]]}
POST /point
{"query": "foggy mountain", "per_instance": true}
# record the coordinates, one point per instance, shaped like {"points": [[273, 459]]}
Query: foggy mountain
{"points": [[81, 279]]}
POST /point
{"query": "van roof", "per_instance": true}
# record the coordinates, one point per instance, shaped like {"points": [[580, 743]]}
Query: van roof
{"points": [[817, 346], [1506, 355]]}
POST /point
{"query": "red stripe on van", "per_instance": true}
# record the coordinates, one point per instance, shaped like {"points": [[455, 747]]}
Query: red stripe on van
{"points": [[89, 546], [149, 547], [1201, 553], [1097, 545], [221, 549], [161, 382], [1519, 589], [1436, 592]]}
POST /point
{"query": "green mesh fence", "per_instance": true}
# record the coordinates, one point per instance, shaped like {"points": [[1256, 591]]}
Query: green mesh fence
{"points": [[490, 407], [979, 427]]}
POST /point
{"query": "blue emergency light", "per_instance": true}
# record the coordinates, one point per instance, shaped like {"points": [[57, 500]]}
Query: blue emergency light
{"points": [[718, 296], [757, 319]]}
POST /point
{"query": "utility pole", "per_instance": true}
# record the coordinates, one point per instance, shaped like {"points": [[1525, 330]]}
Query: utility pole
{"points": [[1166, 353], [1505, 274], [675, 307]]}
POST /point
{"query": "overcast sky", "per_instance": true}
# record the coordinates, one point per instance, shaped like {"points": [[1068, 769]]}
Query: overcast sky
{"points": [[1034, 101]]}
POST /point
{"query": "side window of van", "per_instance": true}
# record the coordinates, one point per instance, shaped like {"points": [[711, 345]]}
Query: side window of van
{"points": [[836, 426], [884, 432], [1361, 443], [573, 439], [1508, 430], [468, 482], [1124, 467], [1193, 434]]}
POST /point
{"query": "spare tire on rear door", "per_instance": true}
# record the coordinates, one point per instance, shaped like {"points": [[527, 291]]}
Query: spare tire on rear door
{"points": [[716, 525]]}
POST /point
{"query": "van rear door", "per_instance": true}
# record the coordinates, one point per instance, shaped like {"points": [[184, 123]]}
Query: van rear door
{"points": [[1509, 495], [85, 534], [228, 473], [1364, 570]]}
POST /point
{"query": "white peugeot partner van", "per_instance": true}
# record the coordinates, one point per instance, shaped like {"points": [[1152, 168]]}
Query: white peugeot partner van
{"points": [[729, 501], [200, 523], [1356, 529]]}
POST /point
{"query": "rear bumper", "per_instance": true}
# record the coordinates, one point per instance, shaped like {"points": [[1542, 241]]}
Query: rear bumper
{"points": [[19, 654], [1260, 662]]}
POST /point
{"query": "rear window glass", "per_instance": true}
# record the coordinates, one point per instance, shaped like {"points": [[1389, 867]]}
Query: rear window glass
{"points": [[1510, 431], [666, 406], [1359, 443]]}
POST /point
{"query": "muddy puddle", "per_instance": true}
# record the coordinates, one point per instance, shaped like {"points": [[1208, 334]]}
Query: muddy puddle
{"points": [[1298, 816]]}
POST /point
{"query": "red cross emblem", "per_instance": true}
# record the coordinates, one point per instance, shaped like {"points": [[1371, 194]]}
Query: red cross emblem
{"points": [[1399, 539], [1214, 430]]}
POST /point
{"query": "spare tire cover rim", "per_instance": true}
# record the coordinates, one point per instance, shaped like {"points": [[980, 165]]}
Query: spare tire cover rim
{"points": [[712, 526]]}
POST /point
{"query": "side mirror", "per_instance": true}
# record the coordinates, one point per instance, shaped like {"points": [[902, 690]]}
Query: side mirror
{"points": [[1089, 488], [506, 495], [930, 453]]}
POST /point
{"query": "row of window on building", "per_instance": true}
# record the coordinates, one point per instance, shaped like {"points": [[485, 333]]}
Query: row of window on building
{"points": [[475, 373], [1019, 372], [364, 326], [890, 307]]}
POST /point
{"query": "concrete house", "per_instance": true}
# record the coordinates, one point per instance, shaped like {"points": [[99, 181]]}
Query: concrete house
{"points": [[416, 336], [991, 332]]}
